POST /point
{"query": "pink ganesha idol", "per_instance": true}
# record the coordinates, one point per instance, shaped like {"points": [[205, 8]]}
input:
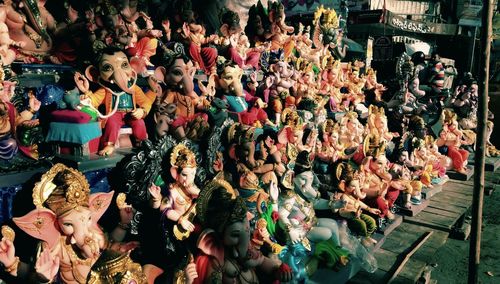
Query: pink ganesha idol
{"points": [[65, 219]]}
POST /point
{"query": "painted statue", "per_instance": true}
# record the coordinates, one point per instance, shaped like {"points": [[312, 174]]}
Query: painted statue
{"points": [[65, 218], [226, 254], [124, 101]]}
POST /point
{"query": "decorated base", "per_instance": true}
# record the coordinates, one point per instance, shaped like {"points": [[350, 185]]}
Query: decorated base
{"points": [[458, 176], [427, 193], [414, 210], [90, 162]]}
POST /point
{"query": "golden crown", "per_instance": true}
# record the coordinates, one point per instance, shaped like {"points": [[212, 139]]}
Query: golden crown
{"points": [[219, 205], [2, 74], [373, 109], [327, 16], [370, 71], [328, 126], [449, 116], [329, 62], [182, 157], [291, 118], [373, 147], [249, 180], [61, 189]]}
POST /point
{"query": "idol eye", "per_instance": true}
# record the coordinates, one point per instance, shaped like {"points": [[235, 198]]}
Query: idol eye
{"points": [[125, 65], [67, 224], [107, 67]]}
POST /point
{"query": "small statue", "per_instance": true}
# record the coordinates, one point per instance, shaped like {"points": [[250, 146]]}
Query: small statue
{"points": [[229, 87], [30, 25], [403, 182], [278, 26], [451, 137], [199, 49], [177, 73], [371, 83], [327, 34], [11, 119], [8, 55], [351, 132], [226, 255], [376, 178], [179, 208], [65, 218], [124, 101], [360, 223], [377, 124], [261, 237]]}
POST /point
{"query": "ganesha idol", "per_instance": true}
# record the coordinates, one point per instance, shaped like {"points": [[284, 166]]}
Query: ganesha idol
{"points": [[29, 26], [65, 219], [226, 254], [123, 100]]}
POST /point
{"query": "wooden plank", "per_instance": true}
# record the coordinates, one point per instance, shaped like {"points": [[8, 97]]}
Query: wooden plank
{"points": [[448, 199], [414, 210], [385, 259], [458, 195], [412, 229], [428, 193], [399, 241], [380, 241], [447, 207], [438, 211], [491, 164], [363, 277], [459, 187], [407, 256], [402, 280], [436, 219], [456, 186], [437, 222], [412, 270]]}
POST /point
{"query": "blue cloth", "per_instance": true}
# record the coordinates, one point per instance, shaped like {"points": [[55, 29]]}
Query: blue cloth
{"points": [[73, 132], [124, 103], [6, 198], [236, 104], [98, 180]]}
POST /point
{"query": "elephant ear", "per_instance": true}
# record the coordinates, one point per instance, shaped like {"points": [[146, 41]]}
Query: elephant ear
{"points": [[283, 135], [40, 223], [98, 204], [240, 74], [224, 29], [92, 73], [208, 243], [160, 73]]}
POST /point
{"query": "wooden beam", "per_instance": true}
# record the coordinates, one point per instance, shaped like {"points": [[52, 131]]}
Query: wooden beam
{"points": [[408, 255], [479, 159]]}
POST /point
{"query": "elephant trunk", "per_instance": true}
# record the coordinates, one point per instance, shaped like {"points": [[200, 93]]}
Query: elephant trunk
{"points": [[122, 80], [238, 89]]}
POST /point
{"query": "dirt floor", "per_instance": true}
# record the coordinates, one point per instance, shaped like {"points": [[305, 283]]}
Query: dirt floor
{"points": [[452, 258]]}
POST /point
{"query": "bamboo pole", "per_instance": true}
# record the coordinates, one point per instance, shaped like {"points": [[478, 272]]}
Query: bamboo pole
{"points": [[482, 113]]}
